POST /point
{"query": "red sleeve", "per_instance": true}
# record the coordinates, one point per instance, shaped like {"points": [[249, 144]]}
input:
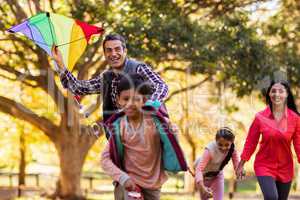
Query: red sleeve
{"points": [[251, 140], [296, 140]]}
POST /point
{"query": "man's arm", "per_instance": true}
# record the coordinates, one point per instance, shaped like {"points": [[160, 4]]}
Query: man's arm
{"points": [[77, 87], [160, 87], [81, 87]]}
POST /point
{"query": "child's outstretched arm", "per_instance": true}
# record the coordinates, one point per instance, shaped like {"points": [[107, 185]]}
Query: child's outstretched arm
{"points": [[199, 174], [111, 169], [238, 165], [235, 160]]}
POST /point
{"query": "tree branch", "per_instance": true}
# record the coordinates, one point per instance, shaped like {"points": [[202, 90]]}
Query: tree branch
{"points": [[89, 63], [45, 81], [92, 108], [99, 69], [29, 6], [217, 7], [37, 6], [17, 10], [52, 5], [19, 111], [24, 82], [13, 37], [19, 74], [165, 69], [19, 54], [193, 86], [49, 85], [84, 69]]}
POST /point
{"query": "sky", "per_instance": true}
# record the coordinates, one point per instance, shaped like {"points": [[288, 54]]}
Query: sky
{"points": [[262, 11]]}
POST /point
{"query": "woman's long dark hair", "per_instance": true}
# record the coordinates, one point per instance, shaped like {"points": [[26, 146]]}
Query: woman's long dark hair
{"points": [[290, 98]]}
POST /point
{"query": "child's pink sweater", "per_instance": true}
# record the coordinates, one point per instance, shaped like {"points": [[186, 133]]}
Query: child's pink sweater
{"points": [[142, 157]]}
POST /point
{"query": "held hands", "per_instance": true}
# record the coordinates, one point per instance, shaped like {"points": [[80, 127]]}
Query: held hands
{"points": [[240, 172], [56, 55]]}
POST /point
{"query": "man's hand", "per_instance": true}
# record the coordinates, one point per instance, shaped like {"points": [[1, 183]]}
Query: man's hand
{"points": [[56, 55]]}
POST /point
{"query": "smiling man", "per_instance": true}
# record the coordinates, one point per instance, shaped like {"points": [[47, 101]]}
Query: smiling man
{"points": [[115, 52]]}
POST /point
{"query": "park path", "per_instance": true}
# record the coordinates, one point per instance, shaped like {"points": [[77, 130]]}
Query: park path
{"points": [[9, 193]]}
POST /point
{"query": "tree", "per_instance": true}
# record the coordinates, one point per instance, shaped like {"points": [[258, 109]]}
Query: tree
{"points": [[282, 32], [166, 34], [22, 61]]}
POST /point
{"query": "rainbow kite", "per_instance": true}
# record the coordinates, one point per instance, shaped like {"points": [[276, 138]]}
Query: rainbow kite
{"points": [[69, 35]]}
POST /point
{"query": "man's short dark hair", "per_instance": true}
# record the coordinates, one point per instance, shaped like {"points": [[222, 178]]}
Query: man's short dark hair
{"points": [[114, 36]]}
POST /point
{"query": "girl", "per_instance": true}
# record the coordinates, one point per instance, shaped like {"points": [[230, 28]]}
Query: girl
{"points": [[209, 167], [278, 125]]}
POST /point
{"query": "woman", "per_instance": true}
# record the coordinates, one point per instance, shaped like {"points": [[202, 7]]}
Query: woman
{"points": [[278, 125]]}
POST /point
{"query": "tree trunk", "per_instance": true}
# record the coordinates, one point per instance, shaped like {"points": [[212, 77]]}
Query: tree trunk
{"points": [[189, 183], [22, 163], [232, 184], [72, 149]]}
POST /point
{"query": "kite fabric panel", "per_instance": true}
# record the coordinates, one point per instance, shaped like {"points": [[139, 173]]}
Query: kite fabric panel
{"points": [[71, 36]]}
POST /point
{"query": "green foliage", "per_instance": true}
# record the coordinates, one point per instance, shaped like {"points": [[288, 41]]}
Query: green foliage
{"points": [[282, 31], [225, 47]]}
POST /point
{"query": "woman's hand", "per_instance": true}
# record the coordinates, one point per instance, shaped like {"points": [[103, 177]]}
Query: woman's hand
{"points": [[240, 173]]}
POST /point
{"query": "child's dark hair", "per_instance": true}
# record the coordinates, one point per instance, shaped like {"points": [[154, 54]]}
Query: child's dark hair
{"points": [[225, 133], [134, 81]]}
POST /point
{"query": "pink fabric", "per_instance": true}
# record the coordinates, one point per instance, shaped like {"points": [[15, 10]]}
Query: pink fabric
{"points": [[216, 184], [206, 157], [274, 157], [142, 157], [217, 187]]}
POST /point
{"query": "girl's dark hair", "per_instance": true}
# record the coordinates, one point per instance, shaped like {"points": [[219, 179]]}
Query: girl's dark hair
{"points": [[225, 133], [290, 98], [134, 81]]}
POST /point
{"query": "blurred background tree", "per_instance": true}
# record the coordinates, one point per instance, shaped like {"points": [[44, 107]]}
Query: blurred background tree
{"points": [[209, 52]]}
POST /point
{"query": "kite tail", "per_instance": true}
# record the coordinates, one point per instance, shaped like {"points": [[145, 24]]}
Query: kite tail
{"points": [[77, 98]]}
